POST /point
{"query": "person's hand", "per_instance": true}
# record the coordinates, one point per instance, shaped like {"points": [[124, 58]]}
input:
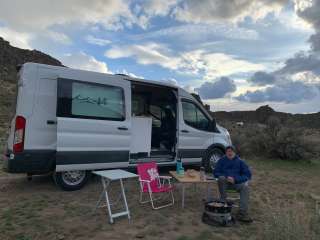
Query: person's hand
{"points": [[230, 180]]}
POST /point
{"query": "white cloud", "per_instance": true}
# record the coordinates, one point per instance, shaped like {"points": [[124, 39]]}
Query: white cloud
{"points": [[97, 41], [156, 7], [16, 39], [210, 11], [83, 61], [197, 62], [189, 88], [201, 32], [171, 81], [292, 21], [59, 37], [301, 5], [216, 64], [124, 71], [41, 14], [149, 53], [306, 77], [151, 8]]}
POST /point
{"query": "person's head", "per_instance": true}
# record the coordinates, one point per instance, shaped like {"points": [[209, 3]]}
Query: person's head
{"points": [[230, 152]]}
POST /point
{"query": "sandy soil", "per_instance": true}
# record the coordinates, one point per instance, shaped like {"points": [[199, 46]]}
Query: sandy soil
{"points": [[39, 210]]}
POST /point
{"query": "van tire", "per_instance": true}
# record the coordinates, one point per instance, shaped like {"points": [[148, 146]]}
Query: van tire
{"points": [[71, 180], [210, 158]]}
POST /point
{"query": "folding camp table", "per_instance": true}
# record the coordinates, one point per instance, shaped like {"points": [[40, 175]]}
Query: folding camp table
{"points": [[107, 177], [185, 179]]}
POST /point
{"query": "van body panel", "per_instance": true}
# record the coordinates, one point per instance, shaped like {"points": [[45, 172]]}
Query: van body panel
{"points": [[192, 142], [30, 161], [84, 140], [26, 86], [43, 135], [62, 143]]}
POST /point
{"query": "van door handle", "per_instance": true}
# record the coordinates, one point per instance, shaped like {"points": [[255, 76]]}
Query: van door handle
{"points": [[184, 131], [51, 122], [123, 128]]}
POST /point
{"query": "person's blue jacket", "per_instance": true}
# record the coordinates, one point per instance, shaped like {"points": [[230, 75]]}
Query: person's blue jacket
{"points": [[235, 168]]}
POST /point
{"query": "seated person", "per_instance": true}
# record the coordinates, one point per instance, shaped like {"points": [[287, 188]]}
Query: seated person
{"points": [[234, 173]]}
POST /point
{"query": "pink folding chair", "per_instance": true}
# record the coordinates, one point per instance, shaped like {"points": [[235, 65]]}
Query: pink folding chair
{"points": [[151, 182]]}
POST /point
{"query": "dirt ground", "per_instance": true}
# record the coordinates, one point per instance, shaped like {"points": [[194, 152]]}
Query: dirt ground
{"points": [[280, 205]]}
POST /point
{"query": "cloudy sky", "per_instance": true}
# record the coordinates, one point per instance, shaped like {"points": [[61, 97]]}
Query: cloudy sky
{"points": [[237, 54]]}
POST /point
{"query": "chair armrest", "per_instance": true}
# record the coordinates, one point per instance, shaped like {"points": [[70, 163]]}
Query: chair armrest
{"points": [[144, 181], [163, 179]]}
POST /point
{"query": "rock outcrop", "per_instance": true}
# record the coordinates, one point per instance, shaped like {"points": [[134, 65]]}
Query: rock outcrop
{"points": [[263, 113], [11, 56]]}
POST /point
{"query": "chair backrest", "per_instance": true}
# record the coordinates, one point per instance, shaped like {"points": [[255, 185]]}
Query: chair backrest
{"points": [[149, 172]]}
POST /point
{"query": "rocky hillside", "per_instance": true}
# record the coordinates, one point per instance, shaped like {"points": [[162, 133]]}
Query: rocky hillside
{"points": [[263, 113], [10, 57]]}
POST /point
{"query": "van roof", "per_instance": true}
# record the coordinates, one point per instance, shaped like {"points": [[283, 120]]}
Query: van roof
{"points": [[125, 77]]}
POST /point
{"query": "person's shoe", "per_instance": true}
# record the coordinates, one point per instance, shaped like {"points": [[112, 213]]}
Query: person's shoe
{"points": [[244, 217]]}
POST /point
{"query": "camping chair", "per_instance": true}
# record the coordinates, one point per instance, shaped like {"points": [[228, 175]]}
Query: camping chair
{"points": [[151, 182], [234, 195]]}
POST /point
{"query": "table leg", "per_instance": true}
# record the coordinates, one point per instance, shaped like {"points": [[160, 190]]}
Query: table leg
{"points": [[183, 189], [105, 187], [101, 196], [124, 198]]}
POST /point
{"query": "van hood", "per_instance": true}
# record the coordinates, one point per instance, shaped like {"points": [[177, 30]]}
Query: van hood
{"points": [[223, 131]]}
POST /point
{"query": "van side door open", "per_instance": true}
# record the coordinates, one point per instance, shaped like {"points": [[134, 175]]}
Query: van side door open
{"points": [[93, 124]]}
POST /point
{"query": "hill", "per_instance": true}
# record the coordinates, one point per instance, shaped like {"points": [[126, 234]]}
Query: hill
{"points": [[10, 58], [263, 113]]}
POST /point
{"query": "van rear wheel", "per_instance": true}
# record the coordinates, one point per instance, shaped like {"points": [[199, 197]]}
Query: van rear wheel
{"points": [[211, 158], [71, 180]]}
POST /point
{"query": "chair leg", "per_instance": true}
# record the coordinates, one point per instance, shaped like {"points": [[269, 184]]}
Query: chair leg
{"points": [[141, 201], [162, 206], [141, 198], [152, 200]]}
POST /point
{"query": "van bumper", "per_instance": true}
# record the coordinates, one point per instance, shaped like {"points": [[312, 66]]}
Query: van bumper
{"points": [[29, 161]]}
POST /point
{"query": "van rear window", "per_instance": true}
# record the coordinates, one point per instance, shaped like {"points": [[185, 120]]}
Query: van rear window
{"points": [[89, 100]]}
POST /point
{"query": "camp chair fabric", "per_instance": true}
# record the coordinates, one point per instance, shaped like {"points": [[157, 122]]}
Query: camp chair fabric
{"points": [[151, 182]]}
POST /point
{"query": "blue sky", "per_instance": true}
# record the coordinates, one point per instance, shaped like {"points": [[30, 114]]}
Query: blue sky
{"points": [[237, 55]]}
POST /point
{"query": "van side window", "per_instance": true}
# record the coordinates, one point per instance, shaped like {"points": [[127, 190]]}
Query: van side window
{"points": [[89, 100], [194, 117]]}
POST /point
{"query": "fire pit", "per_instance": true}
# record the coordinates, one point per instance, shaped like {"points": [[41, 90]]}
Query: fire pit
{"points": [[218, 213]]}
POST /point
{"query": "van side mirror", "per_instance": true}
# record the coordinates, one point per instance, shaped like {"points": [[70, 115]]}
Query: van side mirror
{"points": [[213, 125]]}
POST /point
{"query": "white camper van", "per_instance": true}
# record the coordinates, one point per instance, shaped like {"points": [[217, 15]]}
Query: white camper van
{"points": [[70, 122]]}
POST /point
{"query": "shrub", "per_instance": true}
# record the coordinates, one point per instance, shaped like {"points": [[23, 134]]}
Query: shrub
{"points": [[272, 140]]}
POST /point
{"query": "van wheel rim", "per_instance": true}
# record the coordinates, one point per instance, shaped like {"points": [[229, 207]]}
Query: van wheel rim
{"points": [[73, 177], [214, 159]]}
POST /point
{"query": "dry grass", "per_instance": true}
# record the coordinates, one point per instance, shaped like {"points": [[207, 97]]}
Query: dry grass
{"points": [[280, 204], [292, 223]]}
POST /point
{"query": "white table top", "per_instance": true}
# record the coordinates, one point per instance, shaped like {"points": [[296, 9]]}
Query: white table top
{"points": [[115, 174]]}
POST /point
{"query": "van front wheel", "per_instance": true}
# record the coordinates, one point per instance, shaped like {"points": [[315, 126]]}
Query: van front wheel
{"points": [[71, 180], [211, 157]]}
